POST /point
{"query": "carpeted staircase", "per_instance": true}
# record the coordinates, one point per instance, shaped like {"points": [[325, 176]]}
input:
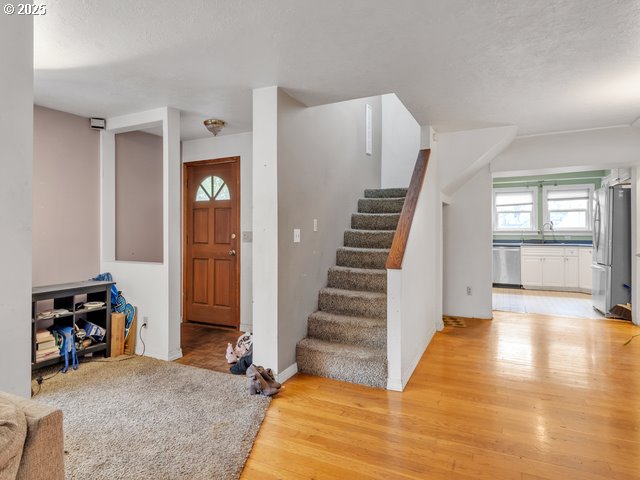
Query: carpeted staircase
{"points": [[347, 336]]}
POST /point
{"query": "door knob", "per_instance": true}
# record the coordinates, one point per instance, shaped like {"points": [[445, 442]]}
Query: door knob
{"points": [[232, 253]]}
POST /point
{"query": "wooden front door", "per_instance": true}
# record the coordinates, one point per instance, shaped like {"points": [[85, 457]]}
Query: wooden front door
{"points": [[212, 211]]}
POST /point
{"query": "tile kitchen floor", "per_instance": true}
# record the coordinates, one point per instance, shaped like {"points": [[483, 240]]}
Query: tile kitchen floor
{"points": [[568, 304]]}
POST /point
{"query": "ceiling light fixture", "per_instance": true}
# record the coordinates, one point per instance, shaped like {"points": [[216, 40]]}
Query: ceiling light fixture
{"points": [[214, 125]]}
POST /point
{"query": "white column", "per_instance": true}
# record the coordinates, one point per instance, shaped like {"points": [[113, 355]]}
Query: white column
{"points": [[16, 158], [265, 226], [172, 227]]}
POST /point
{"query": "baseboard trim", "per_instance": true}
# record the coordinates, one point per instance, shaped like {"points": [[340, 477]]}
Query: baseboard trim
{"points": [[399, 384], [406, 375], [287, 373], [175, 355], [458, 317], [246, 327], [170, 357], [394, 384], [541, 288]]}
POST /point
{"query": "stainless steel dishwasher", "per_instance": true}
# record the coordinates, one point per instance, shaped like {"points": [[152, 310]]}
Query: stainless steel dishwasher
{"points": [[506, 266]]}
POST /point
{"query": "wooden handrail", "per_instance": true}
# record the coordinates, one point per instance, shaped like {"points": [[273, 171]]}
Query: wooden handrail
{"points": [[399, 244]]}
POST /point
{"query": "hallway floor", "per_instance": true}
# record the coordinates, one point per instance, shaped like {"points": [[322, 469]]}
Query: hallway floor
{"points": [[566, 304], [526, 397], [205, 346]]}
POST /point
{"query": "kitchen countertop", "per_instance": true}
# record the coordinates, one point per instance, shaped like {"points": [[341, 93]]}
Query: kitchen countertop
{"points": [[558, 244]]}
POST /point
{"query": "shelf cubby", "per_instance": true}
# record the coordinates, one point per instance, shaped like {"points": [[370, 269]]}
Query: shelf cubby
{"points": [[67, 296]]}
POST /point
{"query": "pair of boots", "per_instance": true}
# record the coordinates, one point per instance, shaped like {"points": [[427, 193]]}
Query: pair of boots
{"points": [[262, 381]]}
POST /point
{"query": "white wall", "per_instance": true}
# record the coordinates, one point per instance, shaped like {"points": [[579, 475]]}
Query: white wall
{"points": [[265, 227], [155, 288], [401, 137], [322, 171], [425, 137], [16, 154], [570, 151], [463, 153], [414, 307], [239, 145], [635, 244], [468, 249], [464, 158]]}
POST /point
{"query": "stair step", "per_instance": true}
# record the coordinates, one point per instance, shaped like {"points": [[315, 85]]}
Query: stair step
{"points": [[375, 258], [375, 221], [385, 192], [362, 331], [380, 205], [360, 279], [368, 238], [351, 302], [349, 363]]}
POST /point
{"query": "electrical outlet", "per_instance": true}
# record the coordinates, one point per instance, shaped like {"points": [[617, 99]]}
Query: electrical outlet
{"points": [[468, 290], [247, 237], [145, 322]]}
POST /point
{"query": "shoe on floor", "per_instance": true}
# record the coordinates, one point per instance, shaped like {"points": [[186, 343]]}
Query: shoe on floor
{"points": [[231, 355], [255, 378]]}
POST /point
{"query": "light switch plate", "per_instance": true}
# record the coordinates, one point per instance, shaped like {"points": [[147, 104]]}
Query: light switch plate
{"points": [[315, 224], [296, 235]]}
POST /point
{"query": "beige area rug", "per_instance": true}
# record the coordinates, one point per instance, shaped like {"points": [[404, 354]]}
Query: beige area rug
{"points": [[149, 419]]}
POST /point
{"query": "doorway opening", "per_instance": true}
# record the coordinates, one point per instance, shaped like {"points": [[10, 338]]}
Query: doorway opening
{"points": [[562, 244]]}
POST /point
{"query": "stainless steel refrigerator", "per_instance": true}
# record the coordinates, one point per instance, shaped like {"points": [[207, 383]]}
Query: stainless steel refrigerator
{"points": [[611, 265]]}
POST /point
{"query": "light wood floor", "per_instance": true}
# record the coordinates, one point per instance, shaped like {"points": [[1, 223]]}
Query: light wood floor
{"points": [[568, 304], [526, 397]]}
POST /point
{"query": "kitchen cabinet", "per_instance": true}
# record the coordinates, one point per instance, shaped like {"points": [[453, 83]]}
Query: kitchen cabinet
{"points": [[571, 272], [555, 268], [617, 176], [531, 270], [586, 273], [553, 272]]}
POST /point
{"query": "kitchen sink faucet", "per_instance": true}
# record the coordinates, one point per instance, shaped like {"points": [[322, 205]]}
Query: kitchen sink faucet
{"points": [[550, 229]]}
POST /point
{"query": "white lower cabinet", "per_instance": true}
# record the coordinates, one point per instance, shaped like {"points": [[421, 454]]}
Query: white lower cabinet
{"points": [[531, 270], [571, 272], [586, 274], [553, 272], [555, 268]]}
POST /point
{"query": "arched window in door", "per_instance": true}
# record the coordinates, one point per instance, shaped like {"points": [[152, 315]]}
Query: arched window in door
{"points": [[212, 188]]}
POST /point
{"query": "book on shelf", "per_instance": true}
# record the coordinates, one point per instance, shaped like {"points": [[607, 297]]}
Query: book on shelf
{"points": [[45, 351], [41, 357], [46, 357], [43, 335], [47, 345]]}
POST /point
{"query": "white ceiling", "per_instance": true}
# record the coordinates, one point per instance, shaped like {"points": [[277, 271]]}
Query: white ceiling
{"points": [[540, 64]]}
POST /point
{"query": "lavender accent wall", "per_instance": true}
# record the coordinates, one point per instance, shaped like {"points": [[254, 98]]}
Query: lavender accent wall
{"points": [[138, 197], [66, 174]]}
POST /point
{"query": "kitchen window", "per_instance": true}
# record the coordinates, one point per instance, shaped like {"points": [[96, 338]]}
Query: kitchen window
{"points": [[568, 207], [514, 210]]}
